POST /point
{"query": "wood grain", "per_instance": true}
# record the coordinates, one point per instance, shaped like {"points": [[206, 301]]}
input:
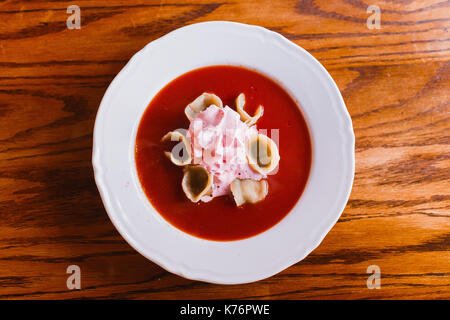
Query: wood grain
{"points": [[395, 82]]}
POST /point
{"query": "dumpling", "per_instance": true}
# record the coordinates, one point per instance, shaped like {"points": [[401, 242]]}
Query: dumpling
{"points": [[201, 103], [245, 117], [262, 154], [248, 191], [196, 183], [185, 146]]}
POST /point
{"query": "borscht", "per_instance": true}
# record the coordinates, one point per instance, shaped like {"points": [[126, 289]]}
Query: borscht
{"points": [[223, 153]]}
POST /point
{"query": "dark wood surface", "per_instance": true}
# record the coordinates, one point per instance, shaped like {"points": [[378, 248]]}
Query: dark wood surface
{"points": [[395, 82]]}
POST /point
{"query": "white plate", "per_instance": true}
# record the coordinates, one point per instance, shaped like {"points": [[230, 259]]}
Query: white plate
{"points": [[219, 43]]}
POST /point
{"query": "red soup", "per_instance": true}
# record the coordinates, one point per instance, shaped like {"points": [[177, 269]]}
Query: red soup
{"points": [[220, 219]]}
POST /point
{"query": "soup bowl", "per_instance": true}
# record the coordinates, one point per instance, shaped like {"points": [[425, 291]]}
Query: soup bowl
{"points": [[332, 160]]}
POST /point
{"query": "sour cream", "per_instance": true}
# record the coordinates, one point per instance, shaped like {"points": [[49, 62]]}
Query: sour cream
{"points": [[218, 142]]}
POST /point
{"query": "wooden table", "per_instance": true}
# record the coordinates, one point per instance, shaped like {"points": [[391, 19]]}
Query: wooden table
{"points": [[395, 82]]}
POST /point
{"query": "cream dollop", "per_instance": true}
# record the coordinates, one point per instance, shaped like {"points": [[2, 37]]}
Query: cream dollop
{"points": [[218, 142]]}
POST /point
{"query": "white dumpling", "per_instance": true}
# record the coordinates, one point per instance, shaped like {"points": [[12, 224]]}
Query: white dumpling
{"points": [[185, 145], [248, 191], [201, 103], [196, 183], [262, 154], [245, 117]]}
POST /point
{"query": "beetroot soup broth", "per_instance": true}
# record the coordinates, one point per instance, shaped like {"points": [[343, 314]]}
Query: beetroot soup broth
{"points": [[220, 219]]}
